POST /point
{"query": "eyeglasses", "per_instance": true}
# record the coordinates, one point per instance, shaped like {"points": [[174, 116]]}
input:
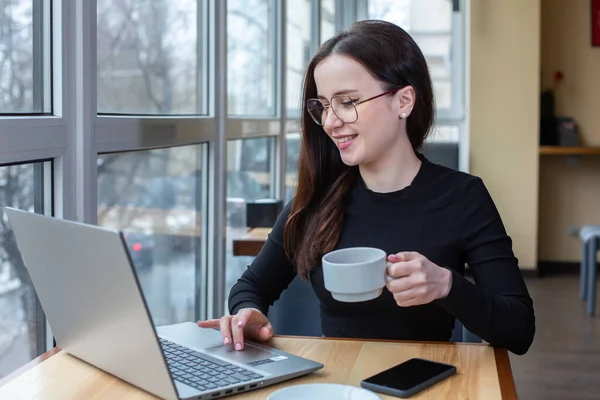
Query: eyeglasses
{"points": [[342, 106]]}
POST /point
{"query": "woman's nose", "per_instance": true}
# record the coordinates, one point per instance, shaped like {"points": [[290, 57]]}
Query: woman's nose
{"points": [[332, 120]]}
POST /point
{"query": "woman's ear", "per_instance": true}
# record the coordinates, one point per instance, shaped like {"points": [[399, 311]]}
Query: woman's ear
{"points": [[406, 101]]}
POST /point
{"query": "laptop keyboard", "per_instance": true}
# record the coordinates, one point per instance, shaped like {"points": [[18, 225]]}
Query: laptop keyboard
{"points": [[201, 372]]}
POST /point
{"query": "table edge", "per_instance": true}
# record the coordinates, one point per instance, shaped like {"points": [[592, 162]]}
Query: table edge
{"points": [[503, 367], [38, 360], [505, 375]]}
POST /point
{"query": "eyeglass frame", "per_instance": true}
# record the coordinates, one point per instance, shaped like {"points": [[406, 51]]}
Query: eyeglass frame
{"points": [[354, 103]]}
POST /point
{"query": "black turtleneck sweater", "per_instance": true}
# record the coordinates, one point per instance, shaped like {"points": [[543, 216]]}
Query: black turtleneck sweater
{"points": [[445, 215]]}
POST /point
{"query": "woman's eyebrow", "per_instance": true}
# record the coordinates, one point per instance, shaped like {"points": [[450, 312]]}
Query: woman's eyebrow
{"points": [[344, 91]]}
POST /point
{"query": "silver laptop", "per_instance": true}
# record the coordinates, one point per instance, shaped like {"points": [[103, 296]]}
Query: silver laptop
{"points": [[90, 293]]}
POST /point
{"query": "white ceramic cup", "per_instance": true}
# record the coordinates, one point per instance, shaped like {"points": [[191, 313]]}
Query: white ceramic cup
{"points": [[356, 273]]}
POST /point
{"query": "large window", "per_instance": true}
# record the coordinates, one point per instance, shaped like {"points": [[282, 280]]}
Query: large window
{"points": [[155, 198], [154, 133], [152, 129], [249, 178], [151, 57], [25, 36], [251, 43], [22, 323]]}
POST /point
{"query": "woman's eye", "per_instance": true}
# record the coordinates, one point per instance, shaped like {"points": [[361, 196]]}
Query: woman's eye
{"points": [[349, 103]]}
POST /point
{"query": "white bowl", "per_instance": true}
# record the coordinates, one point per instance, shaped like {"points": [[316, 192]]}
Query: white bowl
{"points": [[323, 391]]}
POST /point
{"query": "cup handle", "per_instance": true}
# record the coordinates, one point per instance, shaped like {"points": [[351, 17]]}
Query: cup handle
{"points": [[387, 276]]}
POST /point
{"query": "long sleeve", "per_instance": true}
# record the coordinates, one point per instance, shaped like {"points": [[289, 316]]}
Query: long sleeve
{"points": [[267, 276], [497, 307]]}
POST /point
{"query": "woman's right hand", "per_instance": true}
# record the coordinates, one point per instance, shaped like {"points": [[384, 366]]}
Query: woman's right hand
{"points": [[248, 323]]}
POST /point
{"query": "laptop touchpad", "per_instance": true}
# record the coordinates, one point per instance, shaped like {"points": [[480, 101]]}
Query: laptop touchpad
{"points": [[248, 355]]}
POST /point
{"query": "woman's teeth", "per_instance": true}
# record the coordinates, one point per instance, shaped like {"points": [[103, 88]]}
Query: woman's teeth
{"points": [[345, 139]]}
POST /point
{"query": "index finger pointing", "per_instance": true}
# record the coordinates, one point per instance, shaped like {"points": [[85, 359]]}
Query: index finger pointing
{"points": [[210, 323]]}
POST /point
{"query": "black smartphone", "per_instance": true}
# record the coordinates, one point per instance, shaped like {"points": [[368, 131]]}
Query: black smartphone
{"points": [[408, 378]]}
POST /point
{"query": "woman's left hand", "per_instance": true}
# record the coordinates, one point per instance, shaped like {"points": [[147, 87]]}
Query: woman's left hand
{"points": [[416, 279]]}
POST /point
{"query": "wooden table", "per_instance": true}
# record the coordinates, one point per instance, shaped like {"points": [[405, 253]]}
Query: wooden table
{"points": [[251, 243], [483, 371]]}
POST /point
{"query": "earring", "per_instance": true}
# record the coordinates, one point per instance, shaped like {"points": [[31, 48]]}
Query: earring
{"points": [[404, 115]]}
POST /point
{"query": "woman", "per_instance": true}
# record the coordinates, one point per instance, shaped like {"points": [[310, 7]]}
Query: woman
{"points": [[368, 106]]}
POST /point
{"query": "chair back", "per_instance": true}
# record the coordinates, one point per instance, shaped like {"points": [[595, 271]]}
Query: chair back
{"points": [[462, 334]]}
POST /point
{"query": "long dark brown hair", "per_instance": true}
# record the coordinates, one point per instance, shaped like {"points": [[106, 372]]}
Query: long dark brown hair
{"points": [[389, 53]]}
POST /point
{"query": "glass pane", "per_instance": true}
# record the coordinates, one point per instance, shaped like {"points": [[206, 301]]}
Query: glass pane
{"points": [[293, 141], [429, 22], [150, 57], [22, 322], [444, 133], [25, 80], [327, 19], [249, 177], [250, 58], [298, 22], [155, 198]]}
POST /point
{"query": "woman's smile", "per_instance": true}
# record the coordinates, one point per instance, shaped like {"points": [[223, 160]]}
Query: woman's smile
{"points": [[345, 142]]}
